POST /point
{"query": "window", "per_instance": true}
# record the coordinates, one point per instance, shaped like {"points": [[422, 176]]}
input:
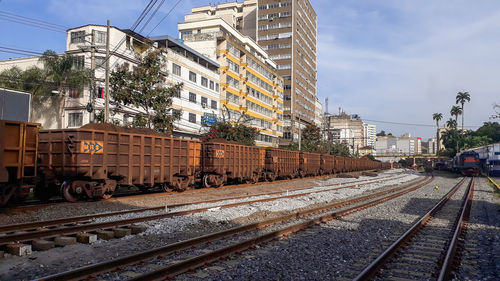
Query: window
{"points": [[192, 117], [217, 87], [192, 76], [176, 69], [74, 93], [204, 81], [100, 37], [287, 87], [100, 62], [75, 119], [177, 94], [78, 62], [192, 97], [211, 85], [78, 37], [204, 102], [214, 104]]}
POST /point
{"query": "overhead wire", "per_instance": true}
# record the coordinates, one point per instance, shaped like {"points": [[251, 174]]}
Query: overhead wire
{"points": [[152, 15], [168, 13], [7, 16]]}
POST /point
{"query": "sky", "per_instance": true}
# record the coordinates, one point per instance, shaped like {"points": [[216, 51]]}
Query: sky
{"points": [[392, 62]]}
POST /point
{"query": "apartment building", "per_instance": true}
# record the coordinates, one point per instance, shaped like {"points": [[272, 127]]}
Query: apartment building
{"points": [[347, 129], [199, 98], [318, 114], [250, 86], [370, 134], [287, 31]]}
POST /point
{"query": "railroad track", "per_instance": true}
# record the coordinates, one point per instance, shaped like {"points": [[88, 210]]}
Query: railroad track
{"points": [[427, 250], [171, 260], [49, 230], [37, 204]]}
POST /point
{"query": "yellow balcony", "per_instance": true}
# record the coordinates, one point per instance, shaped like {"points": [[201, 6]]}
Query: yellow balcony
{"points": [[224, 51], [224, 85], [224, 68]]}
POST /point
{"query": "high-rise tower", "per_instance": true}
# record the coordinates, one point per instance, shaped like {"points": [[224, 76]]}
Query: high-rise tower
{"points": [[287, 31]]}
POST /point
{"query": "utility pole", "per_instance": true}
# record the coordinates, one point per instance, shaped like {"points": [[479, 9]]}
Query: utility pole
{"points": [[106, 101], [92, 69]]}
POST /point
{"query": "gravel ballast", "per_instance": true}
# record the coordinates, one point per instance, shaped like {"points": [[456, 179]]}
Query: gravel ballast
{"points": [[481, 254], [336, 250], [162, 232]]}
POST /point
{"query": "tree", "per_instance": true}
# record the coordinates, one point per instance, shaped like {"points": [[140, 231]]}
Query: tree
{"points": [[490, 130], [461, 98], [455, 111], [237, 132], [144, 88], [451, 124], [311, 138], [381, 134], [437, 117], [63, 73]]}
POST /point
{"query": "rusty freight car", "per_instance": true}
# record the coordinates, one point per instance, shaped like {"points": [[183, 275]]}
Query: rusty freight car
{"points": [[92, 163], [225, 161], [18, 159], [327, 164], [309, 164], [280, 163]]}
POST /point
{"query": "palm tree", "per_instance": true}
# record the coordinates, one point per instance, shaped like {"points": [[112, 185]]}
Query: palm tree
{"points": [[461, 98], [63, 72], [452, 124], [455, 111], [437, 117]]}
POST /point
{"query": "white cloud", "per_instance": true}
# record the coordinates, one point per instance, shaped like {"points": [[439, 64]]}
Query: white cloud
{"points": [[404, 61]]}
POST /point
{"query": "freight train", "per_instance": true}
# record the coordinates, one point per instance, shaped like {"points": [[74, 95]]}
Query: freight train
{"points": [[93, 163]]}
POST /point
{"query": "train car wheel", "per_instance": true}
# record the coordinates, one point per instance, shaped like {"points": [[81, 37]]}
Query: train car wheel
{"points": [[67, 192], [206, 182]]}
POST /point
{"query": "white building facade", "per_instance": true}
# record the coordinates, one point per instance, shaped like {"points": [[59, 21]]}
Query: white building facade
{"points": [[370, 132], [199, 99]]}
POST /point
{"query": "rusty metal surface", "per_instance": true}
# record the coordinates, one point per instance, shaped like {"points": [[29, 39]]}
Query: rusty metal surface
{"points": [[237, 161], [18, 158], [310, 163], [328, 163], [283, 163], [131, 159]]}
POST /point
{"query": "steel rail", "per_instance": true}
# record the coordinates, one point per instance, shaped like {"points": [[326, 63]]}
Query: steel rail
{"points": [[125, 196], [95, 269], [56, 222], [199, 261], [447, 266], [373, 267]]}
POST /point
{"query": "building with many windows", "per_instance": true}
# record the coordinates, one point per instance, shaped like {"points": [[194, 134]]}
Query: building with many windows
{"points": [[199, 99], [370, 136], [347, 129], [287, 31], [251, 89]]}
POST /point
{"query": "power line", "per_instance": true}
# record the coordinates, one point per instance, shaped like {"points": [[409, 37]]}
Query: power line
{"points": [[32, 22], [152, 15], [20, 51], [177, 3], [411, 124], [143, 14]]}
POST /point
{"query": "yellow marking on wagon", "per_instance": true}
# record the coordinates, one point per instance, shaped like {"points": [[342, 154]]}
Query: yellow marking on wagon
{"points": [[219, 153], [92, 147]]}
